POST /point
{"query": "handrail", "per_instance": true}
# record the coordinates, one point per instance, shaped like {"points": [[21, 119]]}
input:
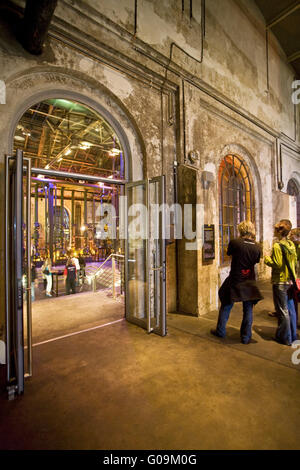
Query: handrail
{"points": [[92, 278]]}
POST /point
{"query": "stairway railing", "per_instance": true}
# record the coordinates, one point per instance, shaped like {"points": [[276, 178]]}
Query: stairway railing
{"points": [[92, 278]]}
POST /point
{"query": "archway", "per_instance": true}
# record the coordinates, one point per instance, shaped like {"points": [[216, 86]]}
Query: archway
{"points": [[293, 190]]}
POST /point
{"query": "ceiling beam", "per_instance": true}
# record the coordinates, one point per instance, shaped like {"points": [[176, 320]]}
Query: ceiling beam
{"points": [[36, 22], [294, 57], [284, 14]]}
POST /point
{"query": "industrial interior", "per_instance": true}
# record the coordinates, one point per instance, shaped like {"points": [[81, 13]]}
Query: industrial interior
{"points": [[71, 217]]}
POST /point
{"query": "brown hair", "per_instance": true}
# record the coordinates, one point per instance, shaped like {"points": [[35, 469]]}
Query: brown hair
{"points": [[283, 227], [287, 222], [295, 235]]}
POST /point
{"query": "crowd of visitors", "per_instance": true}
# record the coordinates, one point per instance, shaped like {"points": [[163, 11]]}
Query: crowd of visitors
{"points": [[74, 274]]}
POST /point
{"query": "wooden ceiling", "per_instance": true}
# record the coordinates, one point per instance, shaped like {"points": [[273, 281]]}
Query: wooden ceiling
{"points": [[283, 19], [64, 135]]}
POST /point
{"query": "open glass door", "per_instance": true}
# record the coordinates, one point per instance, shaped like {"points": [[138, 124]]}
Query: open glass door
{"points": [[145, 261], [18, 279]]}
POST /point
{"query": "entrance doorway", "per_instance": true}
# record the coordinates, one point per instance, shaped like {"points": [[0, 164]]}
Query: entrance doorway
{"points": [[76, 210]]}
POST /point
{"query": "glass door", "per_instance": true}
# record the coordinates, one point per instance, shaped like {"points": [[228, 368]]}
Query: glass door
{"points": [[18, 281], [157, 255], [145, 260]]}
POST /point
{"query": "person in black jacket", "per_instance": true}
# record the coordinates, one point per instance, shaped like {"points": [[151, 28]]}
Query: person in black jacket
{"points": [[70, 277], [240, 285]]}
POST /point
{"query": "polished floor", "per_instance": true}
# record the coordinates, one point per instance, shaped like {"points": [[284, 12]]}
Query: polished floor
{"points": [[100, 382]]}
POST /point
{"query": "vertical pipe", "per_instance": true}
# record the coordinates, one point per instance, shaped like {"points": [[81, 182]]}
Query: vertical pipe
{"points": [[72, 233], [85, 218], [113, 264], [55, 220], [122, 173], [62, 232], [93, 220], [36, 217], [50, 215], [267, 59], [46, 224], [135, 17], [183, 122], [85, 207]]}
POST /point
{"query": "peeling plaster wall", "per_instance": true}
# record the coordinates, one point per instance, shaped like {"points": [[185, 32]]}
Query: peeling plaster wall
{"points": [[218, 134], [229, 62], [168, 92]]}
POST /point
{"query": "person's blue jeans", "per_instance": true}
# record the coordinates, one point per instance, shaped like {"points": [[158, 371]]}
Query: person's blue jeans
{"points": [[246, 326], [293, 319], [281, 303]]}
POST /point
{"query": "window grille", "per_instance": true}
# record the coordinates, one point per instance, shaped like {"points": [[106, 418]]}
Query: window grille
{"points": [[236, 200]]}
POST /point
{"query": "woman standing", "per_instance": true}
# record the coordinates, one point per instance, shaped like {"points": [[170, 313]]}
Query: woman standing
{"points": [[240, 285], [46, 270], [283, 254]]}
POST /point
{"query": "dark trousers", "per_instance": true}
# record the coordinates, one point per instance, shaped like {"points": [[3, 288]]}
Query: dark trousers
{"points": [[70, 286], [246, 326]]}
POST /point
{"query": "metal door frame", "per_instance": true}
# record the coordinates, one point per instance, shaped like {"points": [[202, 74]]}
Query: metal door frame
{"points": [[159, 272], [149, 267], [14, 295], [144, 323], [14, 274]]}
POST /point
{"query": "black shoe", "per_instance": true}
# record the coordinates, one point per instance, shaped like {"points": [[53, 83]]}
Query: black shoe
{"points": [[215, 333], [246, 341], [285, 343]]}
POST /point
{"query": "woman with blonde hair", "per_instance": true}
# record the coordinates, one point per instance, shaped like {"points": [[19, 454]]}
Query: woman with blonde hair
{"points": [[240, 285]]}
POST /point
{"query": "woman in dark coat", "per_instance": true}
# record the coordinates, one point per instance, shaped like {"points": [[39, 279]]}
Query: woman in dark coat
{"points": [[240, 285]]}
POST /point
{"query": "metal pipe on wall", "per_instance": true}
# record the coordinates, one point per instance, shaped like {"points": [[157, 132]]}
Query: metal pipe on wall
{"points": [[62, 232], [50, 216], [72, 231], [46, 227], [29, 280]]}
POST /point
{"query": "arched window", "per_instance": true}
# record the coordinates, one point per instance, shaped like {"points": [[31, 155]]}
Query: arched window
{"points": [[236, 199], [293, 190]]}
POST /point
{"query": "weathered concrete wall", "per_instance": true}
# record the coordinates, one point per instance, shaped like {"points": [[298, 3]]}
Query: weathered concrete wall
{"points": [[166, 92], [225, 60]]}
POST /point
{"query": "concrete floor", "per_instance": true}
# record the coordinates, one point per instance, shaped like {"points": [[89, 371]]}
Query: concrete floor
{"points": [[116, 387]]}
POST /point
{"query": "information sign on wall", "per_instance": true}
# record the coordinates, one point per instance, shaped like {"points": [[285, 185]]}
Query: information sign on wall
{"points": [[209, 242]]}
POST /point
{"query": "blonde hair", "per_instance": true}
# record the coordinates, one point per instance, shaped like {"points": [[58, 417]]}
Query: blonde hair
{"points": [[246, 228]]}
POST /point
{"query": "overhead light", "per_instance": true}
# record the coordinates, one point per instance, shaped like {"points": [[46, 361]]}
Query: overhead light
{"points": [[47, 167], [84, 145], [59, 159], [113, 152], [83, 228], [68, 151], [100, 184], [111, 176]]}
